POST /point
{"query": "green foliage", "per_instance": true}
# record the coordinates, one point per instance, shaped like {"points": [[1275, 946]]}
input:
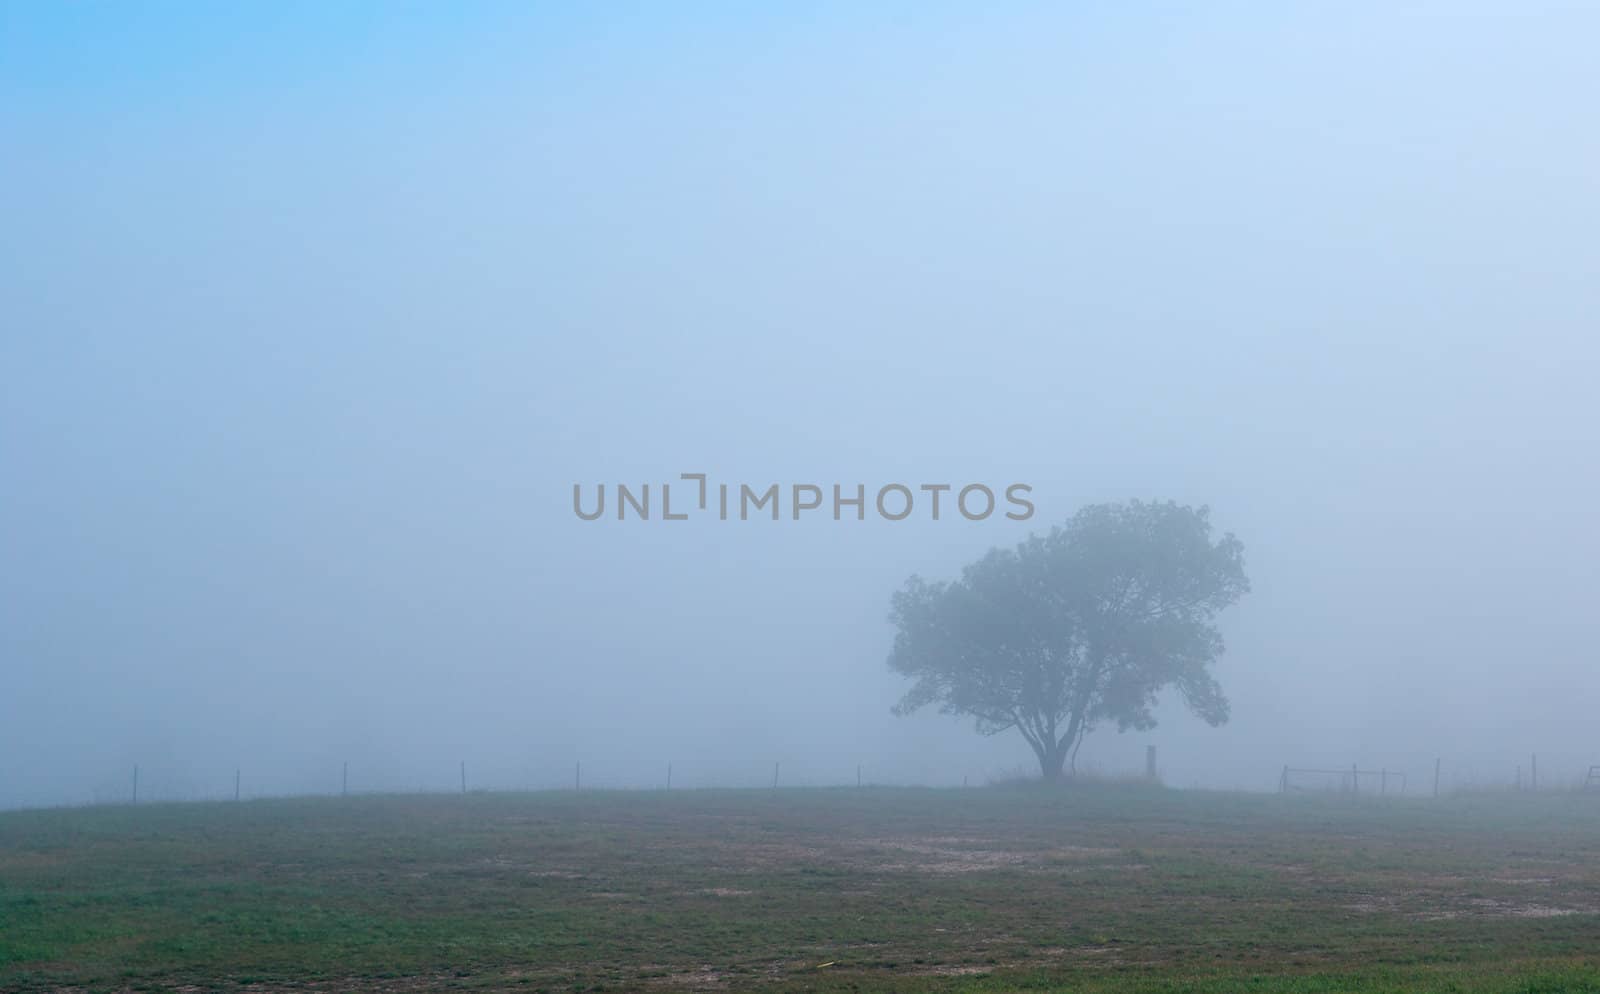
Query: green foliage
{"points": [[1083, 626]]}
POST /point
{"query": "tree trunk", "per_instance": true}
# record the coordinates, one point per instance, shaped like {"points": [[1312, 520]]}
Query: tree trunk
{"points": [[1051, 761], [1067, 748], [1054, 753], [1073, 756]]}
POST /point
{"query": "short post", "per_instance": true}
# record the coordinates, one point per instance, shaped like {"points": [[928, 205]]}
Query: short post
{"points": [[1355, 779], [577, 776], [1383, 780], [774, 776], [463, 776], [1283, 780], [1534, 772], [236, 784], [1436, 762], [136, 783], [858, 774], [1150, 762], [344, 780], [669, 776]]}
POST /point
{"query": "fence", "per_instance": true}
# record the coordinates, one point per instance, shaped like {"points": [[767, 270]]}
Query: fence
{"points": [[140, 787], [350, 779], [1346, 780], [1384, 781]]}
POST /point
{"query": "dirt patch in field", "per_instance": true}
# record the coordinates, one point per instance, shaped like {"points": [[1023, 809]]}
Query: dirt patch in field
{"points": [[704, 978], [953, 971], [954, 854], [934, 855], [29, 860], [1484, 907], [770, 855], [1447, 909]]}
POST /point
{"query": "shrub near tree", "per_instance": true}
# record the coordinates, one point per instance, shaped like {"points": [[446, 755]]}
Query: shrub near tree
{"points": [[1073, 629]]}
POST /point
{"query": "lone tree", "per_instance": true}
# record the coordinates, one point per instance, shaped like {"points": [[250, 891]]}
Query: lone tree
{"points": [[1078, 627]]}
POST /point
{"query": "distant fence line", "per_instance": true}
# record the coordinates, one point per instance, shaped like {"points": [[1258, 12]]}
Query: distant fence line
{"points": [[1349, 779], [1291, 779], [576, 784]]}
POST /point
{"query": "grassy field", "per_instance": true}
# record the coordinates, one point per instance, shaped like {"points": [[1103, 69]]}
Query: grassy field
{"points": [[1101, 888]]}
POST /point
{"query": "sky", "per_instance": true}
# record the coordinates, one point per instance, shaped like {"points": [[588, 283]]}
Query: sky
{"points": [[311, 317]]}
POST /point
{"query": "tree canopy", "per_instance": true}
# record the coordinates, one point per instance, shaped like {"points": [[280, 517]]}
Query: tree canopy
{"points": [[1076, 628]]}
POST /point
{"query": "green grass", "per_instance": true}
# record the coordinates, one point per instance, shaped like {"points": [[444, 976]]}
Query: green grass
{"points": [[1088, 888]]}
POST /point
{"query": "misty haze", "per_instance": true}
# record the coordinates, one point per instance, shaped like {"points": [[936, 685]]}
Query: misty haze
{"points": [[946, 445]]}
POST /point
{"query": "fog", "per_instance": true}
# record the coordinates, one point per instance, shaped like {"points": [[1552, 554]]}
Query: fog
{"points": [[313, 318]]}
